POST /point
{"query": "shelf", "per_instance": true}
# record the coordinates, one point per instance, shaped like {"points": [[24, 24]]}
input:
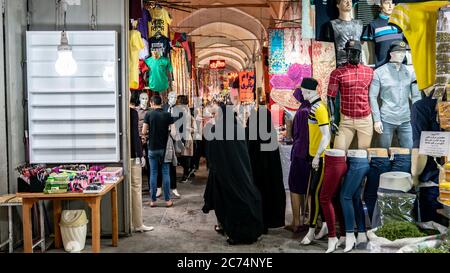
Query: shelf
{"points": [[79, 91], [79, 147], [73, 119], [74, 105], [71, 133]]}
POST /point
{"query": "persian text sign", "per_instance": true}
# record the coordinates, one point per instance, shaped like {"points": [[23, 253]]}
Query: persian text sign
{"points": [[435, 144], [217, 64], [246, 86]]}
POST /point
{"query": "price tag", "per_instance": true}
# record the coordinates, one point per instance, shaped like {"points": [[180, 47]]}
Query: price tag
{"points": [[435, 144]]}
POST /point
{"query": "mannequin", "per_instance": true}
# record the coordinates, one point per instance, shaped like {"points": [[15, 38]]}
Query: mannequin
{"points": [[381, 33], [352, 208], [342, 30], [334, 170], [319, 140], [352, 80], [298, 181], [160, 68], [137, 163], [395, 84]]}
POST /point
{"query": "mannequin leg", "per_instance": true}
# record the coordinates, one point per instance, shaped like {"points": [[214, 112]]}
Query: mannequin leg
{"points": [[385, 139], [405, 137], [316, 179], [136, 194], [365, 132], [295, 204], [346, 134]]}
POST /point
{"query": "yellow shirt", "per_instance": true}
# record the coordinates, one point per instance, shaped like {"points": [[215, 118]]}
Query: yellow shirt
{"points": [[160, 22], [317, 117], [418, 22], [136, 45]]}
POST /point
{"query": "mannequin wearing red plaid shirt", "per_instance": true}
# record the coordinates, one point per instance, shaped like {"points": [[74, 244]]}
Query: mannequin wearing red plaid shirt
{"points": [[352, 80]]}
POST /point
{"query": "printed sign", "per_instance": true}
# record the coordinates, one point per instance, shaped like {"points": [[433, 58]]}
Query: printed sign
{"points": [[217, 64], [246, 86], [435, 144]]}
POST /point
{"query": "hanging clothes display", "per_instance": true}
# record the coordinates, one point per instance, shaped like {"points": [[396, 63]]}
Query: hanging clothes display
{"points": [[308, 24], [277, 61], [161, 44], [158, 76], [418, 22], [181, 77], [136, 45], [143, 23], [160, 22], [180, 40]]}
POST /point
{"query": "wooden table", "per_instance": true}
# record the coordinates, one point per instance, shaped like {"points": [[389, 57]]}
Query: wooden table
{"points": [[92, 199]]}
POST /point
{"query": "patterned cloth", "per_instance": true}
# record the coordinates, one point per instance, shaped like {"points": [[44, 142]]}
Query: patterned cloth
{"points": [[353, 82], [292, 78], [277, 61], [342, 32], [324, 62]]}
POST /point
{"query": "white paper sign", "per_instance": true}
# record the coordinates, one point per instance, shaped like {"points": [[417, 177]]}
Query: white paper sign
{"points": [[434, 143]]}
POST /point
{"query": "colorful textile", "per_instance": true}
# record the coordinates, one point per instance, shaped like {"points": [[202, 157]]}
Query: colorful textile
{"points": [[292, 78], [182, 83], [143, 23], [161, 44], [296, 50], [318, 116], [353, 82], [277, 61], [324, 62]]}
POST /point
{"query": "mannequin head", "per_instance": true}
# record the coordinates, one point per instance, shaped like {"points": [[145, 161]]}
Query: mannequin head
{"points": [[172, 98], [308, 89], [387, 6], [398, 51], [398, 56], [143, 100], [344, 6], [353, 49]]}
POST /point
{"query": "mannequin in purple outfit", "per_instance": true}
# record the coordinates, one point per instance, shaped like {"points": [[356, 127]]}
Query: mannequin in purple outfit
{"points": [[298, 180]]}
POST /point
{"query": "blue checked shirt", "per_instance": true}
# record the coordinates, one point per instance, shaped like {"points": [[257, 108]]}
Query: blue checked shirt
{"points": [[396, 89]]}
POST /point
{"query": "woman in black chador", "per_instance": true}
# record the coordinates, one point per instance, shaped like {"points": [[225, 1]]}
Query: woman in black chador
{"points": [[230, 190], [267, 171]]}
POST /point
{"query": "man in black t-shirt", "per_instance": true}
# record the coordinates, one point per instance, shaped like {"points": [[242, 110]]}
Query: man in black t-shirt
{"points": [[156, 125]]}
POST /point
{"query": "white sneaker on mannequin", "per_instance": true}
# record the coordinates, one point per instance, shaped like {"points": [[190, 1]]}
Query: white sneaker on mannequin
{"points": [[309, 237], [332, 244], [175, 192], [323, 232], [350, 241], [362, 238], [144, 228]]}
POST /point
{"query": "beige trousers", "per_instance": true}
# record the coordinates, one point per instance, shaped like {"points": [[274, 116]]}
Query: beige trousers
{"points": [[347, 128], [136, 194]]}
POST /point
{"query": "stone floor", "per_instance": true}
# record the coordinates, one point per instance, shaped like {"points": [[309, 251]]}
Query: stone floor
{"points": [[185, 228]]}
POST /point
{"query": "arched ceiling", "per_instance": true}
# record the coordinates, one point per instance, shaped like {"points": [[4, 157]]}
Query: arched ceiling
{"points": [[231, 30]]}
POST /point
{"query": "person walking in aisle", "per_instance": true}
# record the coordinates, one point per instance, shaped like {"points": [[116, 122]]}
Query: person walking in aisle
{"points": [[156, 125]]}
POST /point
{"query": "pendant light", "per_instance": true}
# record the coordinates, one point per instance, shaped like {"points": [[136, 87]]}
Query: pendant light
{"points": [[65, 64]]}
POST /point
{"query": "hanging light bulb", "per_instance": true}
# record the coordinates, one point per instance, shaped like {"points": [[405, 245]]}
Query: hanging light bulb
{"points": [[66, 64]]}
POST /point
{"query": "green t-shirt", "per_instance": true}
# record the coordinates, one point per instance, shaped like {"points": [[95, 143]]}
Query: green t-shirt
{"points": [[158, 81]]}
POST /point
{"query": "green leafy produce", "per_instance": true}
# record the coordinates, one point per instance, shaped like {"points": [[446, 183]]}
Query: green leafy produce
{"points": [[433, 250], [395, 230]]}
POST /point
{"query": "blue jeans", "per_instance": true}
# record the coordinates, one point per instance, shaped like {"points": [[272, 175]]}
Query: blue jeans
{"points": [[404, 134], [401, 163], [156, 157], [378, 166], [351, 194]]}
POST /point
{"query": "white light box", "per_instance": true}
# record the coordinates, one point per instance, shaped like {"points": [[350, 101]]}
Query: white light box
{"points": [[73, 119]]}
